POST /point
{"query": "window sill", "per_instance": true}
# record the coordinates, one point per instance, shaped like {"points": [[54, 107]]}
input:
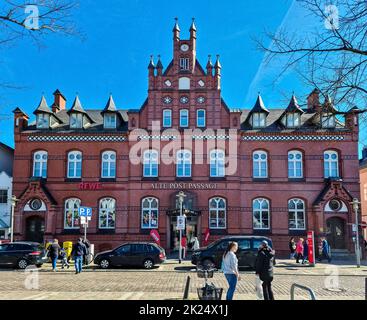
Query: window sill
{"points": [[107, 179], [184, 178], [37, 179], [297, 232], [106, 231], [71, 231], [217, 178], [296, 179], [150, 178], [260, 179], [73, 180], [262, 232], [218, 232], [147, 231]]}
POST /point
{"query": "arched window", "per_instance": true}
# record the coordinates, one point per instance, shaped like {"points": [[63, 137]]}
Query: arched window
{"points": [[72, 213], [331, 164], [183, 167], [296, 214], [260, 164], [217, 213], [200, 118], [184, 83], [149, 213], [108, 164], [217, 163], [75, 164], [167, 118], [150, 163], [184, 118], [40, 164], [261, 214], [107, 213], [295, 164]]}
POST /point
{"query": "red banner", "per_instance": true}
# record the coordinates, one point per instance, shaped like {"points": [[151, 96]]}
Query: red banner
{"points": [[206, 237], [155, 235], [311, 247]]}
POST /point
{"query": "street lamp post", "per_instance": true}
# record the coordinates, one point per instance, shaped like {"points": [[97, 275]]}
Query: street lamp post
{"points": [[14, 201], [355, 204], [181, 195]]}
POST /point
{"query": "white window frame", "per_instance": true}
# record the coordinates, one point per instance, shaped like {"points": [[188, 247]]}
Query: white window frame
{"points": [[262, 211], [73, 208], [293, 120], [43, 121], [258, 120], [183, 162], [328, 120], [110, 124], [214, 213], [74, 163], [150, 163], [329, 164], [167, 115], [259, 163], [184, 64], [295, 164], [217, 163], [78, 123], [42, 161], [295, 211], [184, 83], [198, 124], [184, 113], [150, 210], [110, 162], [107, 207]]}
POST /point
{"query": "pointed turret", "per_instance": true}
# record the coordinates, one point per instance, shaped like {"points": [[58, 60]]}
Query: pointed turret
{"points": [[293, 105], [328, 105], [159, 66], [77, 106], [43, 107], [209, 66], [110, 106], [259, 105], [193, 26], [217, 66], [176, 30]]}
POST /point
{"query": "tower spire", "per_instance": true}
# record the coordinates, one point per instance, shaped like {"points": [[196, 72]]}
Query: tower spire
{"points": [[176, 30]]}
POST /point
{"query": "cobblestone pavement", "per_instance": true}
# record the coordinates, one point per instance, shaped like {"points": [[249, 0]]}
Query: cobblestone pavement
{"points": [[344, 281]]}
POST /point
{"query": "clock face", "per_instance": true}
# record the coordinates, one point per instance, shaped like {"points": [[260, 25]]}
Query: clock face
{"points": [[184, 47], [200, 100], [167, 100], [201, 83], [184, 99], [168, 83]]}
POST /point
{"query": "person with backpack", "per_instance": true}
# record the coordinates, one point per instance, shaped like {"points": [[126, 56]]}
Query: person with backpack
{"points": [[54, 250], [265, 262], [230, 268], [79, 250]]}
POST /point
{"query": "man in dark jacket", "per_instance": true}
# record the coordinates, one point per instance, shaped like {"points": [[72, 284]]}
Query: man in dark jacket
{"points": [[265, 262], [54, 253], [79, 250], [87, 247]]}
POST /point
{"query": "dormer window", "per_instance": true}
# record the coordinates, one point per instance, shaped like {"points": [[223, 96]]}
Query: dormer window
{"points": [[110, 121], [76, 120], [258, 120], [292, 120], [43, 121], [328, 120]]}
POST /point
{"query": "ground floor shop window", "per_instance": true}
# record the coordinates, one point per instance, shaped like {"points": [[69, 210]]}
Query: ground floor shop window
{"points": [[296, 212], [149, 213], [217, 213], [261, 214], [107, 212], [72, 213]]}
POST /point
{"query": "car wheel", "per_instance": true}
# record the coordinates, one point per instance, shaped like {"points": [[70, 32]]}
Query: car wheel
{"points": [[148, 264], [207, 264], [104, 264], [22, 264]]}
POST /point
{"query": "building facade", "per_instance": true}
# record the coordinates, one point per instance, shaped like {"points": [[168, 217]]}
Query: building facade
{"points": [[274, 172], [6, 173], [363, 178]]}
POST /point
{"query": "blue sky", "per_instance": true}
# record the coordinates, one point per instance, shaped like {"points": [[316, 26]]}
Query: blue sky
{"points": [[121, 35]]}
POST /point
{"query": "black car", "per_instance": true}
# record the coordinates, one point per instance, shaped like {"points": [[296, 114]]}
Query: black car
{"points": [[211, 256], [22, 254], [144, 254]]}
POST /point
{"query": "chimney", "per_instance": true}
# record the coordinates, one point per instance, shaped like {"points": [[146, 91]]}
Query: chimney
{"points": [[313, 100], [59, 102]]}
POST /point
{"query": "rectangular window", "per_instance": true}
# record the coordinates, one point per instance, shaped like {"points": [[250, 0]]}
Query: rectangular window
{"points": [[167, 118], [4, 196], [184, 118], [328, 121], [43, 121], [110, 121], [76, 120], [258, 120], [184, 64], [200, 118]]}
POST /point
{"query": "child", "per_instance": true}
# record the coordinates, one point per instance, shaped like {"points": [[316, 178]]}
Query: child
{"points": [[64, 259]]}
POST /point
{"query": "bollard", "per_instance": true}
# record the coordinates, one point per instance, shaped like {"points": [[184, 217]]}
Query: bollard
{"points": [[187, 288]]}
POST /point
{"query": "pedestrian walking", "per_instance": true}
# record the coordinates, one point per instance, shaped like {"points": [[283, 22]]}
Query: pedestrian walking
{"points": [[230, 268], [87, 252], [64, 259], [265, 263], [184, 246], [54, 253], [305, 252], [325, 250], [79, 250], [299, 250], [292, 247], [196, 244]]}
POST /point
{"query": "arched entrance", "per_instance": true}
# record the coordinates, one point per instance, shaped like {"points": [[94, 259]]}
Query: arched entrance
{"points": [[35, 229], [336, 233]]}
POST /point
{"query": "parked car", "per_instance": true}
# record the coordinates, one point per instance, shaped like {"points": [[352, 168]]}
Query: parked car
{"points": [[211, 256], [144, 254], [22, 254]]}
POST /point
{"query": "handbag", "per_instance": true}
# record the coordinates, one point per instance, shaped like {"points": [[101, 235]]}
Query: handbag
{"points": [[258, 288]]}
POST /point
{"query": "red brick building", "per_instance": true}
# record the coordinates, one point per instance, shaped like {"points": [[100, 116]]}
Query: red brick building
{"points": [[275, 172]]}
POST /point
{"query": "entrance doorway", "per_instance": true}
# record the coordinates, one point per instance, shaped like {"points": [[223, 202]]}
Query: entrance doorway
{"points": [[35, 229], [190, 231], [336, 233]]}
